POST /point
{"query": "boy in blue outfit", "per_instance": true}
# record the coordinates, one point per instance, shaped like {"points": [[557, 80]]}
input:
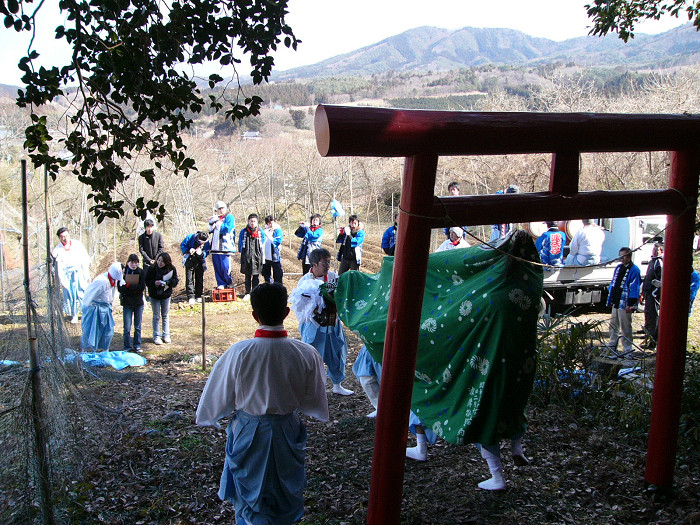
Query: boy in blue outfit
{"points": [[272, 269], [222, 227], [311, 235], [195, 249], [389, 238]]}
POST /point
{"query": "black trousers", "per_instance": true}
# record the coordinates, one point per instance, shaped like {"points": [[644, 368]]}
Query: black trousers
{"points": [[651, 317], [274, 268], [346, 265], [194, 278], [251, 281]]}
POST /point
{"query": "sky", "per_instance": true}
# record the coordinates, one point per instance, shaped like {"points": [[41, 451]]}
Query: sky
{"points": [[331, 27]]}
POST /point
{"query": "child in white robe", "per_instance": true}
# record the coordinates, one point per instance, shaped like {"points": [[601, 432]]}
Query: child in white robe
{"points": [[264, 382]]}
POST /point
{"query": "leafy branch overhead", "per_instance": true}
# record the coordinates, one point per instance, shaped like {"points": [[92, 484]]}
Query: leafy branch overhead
{"points": [[621, 16], [133, 95]]}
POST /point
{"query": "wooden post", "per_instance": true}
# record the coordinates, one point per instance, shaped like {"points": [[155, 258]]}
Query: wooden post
{"points": [[34, 368], [673, 324], [49, 259], [401, 346]]}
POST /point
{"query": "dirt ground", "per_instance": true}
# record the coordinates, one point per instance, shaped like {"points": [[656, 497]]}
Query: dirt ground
{"points": [[158, 467]]}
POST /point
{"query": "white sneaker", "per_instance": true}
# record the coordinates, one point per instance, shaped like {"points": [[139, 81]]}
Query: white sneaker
{"points": [[157, 341], [199, 299], [246, 297], [191, 301], [74, 320], [167, 340], [494, 483], [338, 389], [221, 287], [372, 415], [419, 452]]}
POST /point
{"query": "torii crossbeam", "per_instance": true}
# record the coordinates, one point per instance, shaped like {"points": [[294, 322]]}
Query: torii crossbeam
{"points": [[421, 137]]}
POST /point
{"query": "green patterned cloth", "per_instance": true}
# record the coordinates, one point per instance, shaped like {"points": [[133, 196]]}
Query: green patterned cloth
{"points": [[477, 342]]}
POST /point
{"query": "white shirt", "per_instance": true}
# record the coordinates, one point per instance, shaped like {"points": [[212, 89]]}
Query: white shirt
{"points": [[73, 256], [447, 245], [99, 290], [587, 241], [265, 376]]}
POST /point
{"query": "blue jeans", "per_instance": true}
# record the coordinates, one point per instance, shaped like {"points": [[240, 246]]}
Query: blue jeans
{"points": [[135, 314], [161, 309]]}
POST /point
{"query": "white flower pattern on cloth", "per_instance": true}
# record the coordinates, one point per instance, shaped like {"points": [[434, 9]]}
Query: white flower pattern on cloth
{"points": [[360, 304], [457, 280], [480, 364], [465, 308], [423, 377], [437, 428], [429, 324], [517, 296], [446, 376]]}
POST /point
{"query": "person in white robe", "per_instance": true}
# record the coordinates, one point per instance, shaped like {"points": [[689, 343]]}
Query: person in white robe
{"points": [[586, 245], [263, 382], [318, 325], [73, 271], [98, 321], [456, 240]]}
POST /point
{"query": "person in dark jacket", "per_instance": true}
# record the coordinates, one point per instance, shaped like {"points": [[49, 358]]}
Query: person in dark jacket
{"points": [[161, 278], [131, 299], [250, 245], [150, 244]]}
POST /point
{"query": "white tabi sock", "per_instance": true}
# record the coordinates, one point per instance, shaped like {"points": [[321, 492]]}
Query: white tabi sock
{"points": [[338, 389], [496, 482], [420, 451]]}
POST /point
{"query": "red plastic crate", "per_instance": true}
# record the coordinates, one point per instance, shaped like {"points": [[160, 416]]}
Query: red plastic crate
{"points": [[225, 295]]}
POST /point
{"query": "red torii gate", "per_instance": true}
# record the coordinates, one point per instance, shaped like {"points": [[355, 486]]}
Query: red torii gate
{"points": [[421, 136]]}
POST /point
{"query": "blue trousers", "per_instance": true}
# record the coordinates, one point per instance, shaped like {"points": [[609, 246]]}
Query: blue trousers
{"points": [[264, 473], [134, 314], [222, 270]]}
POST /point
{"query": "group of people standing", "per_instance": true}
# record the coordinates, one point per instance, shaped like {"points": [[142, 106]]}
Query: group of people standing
{"points": [[154, 276], [259, 250]]}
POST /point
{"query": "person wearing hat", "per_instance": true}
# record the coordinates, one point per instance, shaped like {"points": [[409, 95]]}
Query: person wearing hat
{"points": [[195, 249], [98, 322], [73, 271], [222, 226], [150, 244], [456, 240]]}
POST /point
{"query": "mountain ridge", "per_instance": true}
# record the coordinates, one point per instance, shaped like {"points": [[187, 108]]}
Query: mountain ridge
{"points": [[431, 48]]}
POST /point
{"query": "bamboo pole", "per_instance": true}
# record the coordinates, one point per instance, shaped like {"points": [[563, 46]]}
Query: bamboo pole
{"points": [[34, 370], [204, 332], [49, 258]]}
